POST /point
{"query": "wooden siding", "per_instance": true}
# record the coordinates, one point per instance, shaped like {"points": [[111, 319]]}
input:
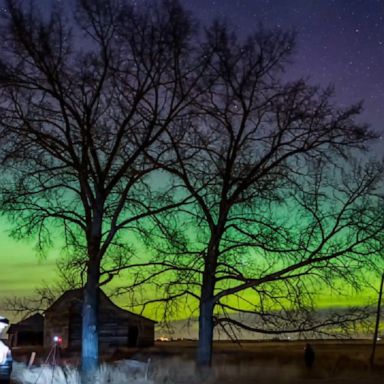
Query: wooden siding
{"points": [[27, 332], [117, 327]]}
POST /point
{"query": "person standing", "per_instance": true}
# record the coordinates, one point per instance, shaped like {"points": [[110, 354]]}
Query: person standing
{"points": [[309, 355]]}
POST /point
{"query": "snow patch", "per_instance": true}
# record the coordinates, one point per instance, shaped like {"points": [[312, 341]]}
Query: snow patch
{"points": [[121, 372]]}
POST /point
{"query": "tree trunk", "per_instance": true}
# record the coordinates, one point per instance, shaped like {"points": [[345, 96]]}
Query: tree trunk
{"points": [[90, 324], [372, 357], [204, 349], [207, 304]]}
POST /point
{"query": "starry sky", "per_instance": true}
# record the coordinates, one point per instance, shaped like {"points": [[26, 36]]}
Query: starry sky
{"points": [[340, 42]]}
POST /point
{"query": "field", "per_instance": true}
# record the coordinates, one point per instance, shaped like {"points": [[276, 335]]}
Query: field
{"points": [[251, 362]]}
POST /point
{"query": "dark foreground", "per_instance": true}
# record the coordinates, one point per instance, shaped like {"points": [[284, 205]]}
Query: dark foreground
{"points": [[335, 362]]}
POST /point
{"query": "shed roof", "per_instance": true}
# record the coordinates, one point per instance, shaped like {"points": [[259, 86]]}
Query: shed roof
{"points": [[77, 295], [33, 322]]}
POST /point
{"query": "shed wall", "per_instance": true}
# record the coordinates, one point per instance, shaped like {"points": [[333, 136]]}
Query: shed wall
{"points": [[117, 328]]}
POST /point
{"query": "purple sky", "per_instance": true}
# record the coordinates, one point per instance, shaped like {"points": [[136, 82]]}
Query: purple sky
{"points": [[340, 42]]}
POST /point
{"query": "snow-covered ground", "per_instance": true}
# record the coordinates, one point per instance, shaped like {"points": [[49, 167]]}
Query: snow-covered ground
{"points": [[121, 372]]}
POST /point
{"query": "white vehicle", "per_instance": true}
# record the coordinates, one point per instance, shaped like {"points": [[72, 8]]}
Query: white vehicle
{"points": [[5, 355]]}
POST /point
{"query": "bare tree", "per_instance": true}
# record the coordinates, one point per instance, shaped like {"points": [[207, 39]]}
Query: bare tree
{"points": [[39, 300], [68, 277], [377, 322], [81, 100], [268, 219]]}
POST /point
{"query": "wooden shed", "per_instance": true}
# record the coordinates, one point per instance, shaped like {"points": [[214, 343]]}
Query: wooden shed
{"points": [[29, 331], [117, 327]]}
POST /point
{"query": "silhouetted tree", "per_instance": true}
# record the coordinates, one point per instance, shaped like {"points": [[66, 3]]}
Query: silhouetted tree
{"points": [[37, 302], [278, 206], [68, 277], [377, 322], [81, 100]]}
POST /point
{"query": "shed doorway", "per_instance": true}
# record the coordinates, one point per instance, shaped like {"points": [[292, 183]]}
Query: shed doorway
{"points": [[133, 334]]}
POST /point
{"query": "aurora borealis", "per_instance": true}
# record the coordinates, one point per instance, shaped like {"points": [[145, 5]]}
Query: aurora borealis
{"points": [[339, 42], [21, 269]]}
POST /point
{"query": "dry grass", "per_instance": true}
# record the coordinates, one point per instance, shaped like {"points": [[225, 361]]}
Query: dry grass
{"points": [[254, 362]]}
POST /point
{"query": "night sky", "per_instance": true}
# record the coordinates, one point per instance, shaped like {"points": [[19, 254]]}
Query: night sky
{"points": [[340, 42]]}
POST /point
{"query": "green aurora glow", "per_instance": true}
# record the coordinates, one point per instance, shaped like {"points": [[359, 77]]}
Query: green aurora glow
{"points": [[22, 271]]}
